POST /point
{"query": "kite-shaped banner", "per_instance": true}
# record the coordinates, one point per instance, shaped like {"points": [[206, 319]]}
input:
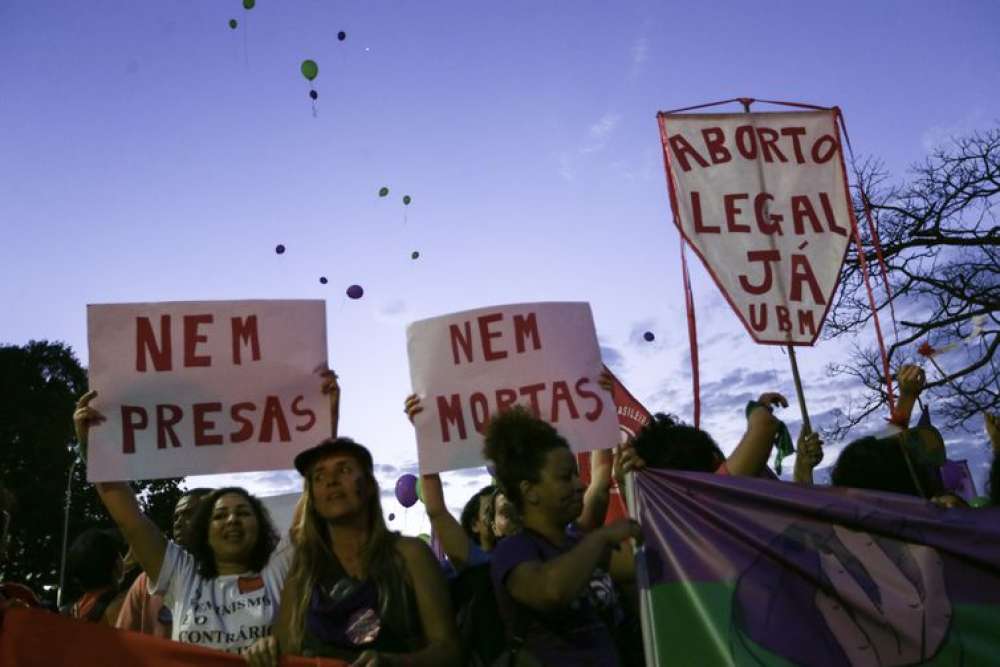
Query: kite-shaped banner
{"points": [[762, 198]]}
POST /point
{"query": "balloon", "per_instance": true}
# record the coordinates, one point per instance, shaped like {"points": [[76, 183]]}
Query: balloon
{"points": [[322, 280], [406, 490], [425, 537], [391, 516], [414, 255], [382, 192], [980, 501], [280, 249], [649, 336], [313, 94], [406, 200], [233, 24], [420, 490], [309, 69], [341, 35], [248, 4], [355, 291]]}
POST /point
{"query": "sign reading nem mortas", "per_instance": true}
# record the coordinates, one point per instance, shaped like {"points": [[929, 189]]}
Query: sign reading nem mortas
{"points": [[205, 387], [468, 366], [762, 198]]}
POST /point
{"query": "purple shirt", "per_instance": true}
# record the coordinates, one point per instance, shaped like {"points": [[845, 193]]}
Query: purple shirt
{"points": [[574, 635]]}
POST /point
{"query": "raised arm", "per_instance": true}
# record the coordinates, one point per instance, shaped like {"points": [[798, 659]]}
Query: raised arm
{"points": [[142, 535], [331, 387], [755, 446], [555, 584], [911, 381], [598, 493]]}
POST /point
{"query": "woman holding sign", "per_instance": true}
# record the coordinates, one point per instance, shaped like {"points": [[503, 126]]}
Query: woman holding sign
{"points": [[552, 584], [224, 592]]}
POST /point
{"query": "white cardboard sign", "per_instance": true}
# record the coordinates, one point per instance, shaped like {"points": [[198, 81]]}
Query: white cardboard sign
{"points": [[762, 199], [468, 366], [205, 387]]}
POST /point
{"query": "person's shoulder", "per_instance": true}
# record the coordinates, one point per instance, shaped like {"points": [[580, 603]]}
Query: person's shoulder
{"points": [[412, 547]]}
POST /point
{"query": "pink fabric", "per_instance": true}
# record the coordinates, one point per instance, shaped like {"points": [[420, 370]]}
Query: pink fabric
{"points": [[140, 611]]}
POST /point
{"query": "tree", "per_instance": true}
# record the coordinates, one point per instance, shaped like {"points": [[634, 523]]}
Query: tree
{"points": [[39, 385], [941, 245]]}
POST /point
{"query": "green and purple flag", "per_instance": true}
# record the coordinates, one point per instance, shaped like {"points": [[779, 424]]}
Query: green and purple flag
{"points": [[739, 571]]}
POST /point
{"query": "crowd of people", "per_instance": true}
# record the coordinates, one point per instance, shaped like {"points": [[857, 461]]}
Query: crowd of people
{"points": [[531, 574]]}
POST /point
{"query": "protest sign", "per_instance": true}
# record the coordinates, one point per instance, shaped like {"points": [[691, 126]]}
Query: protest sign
{"points": [[762, 199], [468, 366], [205, 387]]}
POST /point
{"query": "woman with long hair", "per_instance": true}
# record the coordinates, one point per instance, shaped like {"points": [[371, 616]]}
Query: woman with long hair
{"points": [[356, 590]]}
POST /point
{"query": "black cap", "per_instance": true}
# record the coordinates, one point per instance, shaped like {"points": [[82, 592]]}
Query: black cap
{"points": [[334, 446]]}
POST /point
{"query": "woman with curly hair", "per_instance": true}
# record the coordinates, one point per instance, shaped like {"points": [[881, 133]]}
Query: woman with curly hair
{"points": [[552, 583], [223, 590]]}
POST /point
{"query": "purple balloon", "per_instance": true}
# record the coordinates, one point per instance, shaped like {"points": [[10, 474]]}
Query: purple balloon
{"points": [[406, 490], [649, 336], [391, 516], [355, 291]]}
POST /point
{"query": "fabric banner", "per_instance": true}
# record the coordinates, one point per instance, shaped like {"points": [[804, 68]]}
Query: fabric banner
{"points": [[739, 571], [957, 478], [632, 418], [35, 638], [205, 387], [762, 199], [470, 365]]}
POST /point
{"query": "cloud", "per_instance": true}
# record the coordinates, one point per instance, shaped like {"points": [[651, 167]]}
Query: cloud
{"points": [[393, 310], [600, 132], [640, 51], [612, 358], [567, 167], [938, 135]]}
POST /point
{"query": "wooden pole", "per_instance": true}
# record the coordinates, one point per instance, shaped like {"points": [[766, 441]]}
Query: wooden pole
{"points": [[806, 426]]}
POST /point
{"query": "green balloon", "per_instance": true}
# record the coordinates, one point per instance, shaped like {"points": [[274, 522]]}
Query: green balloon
{"points": [[233, 24], [383, 192], [248, 4], [406, 200], [425, 537], [420, 489], [309, 69], [980, 501]]}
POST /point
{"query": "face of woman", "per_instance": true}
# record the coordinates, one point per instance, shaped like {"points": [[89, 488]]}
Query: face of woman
{"points": [[233, 528], [339, 487], [505, 521], [559, 492]]}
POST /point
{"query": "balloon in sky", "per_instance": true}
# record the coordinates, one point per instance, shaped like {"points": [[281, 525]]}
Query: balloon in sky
{"points": [[355, 291], [313, 94], [322, 280], [406, 490], [280, 249], [406, 200], [414, 255], [391, 516], [248, 4], [383, 192], [341, 35], [233, 24], [649, 336], [309, 69]]}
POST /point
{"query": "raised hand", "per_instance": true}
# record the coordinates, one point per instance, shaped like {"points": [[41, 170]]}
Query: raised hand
{"points": [[809, 453], [911, 380], [85, 417], [412, 407]]}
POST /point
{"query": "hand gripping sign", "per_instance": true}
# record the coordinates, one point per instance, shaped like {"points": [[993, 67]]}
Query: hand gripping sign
{"points": [[205, 387], [469, 366], [762, 198]]}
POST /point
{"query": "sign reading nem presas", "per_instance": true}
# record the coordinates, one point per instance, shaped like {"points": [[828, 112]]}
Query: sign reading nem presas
{"points": [[205, 387], [468, 366]]}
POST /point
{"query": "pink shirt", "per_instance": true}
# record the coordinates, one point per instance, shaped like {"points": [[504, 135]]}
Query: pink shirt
{"points": [[141, 611]]}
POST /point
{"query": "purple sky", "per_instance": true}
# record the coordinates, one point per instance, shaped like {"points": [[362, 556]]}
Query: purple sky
{"points": [[150, 153]]}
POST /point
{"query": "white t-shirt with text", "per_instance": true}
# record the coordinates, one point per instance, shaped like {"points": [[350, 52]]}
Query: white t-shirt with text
{"points": [[228, 613]]}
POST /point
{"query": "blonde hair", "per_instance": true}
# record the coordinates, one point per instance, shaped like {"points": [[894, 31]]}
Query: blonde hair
{"points": [[314, 557]]}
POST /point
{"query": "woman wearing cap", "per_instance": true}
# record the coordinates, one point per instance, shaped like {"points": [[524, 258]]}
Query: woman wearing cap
{"points": [[223, 590], [357, 591]]}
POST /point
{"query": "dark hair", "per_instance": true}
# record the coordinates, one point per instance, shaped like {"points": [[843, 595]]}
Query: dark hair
{"points": [[197, 492], [517, 442], [666, 443], [93, 557], [267, 535], [878, 464], [470, 513]]}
